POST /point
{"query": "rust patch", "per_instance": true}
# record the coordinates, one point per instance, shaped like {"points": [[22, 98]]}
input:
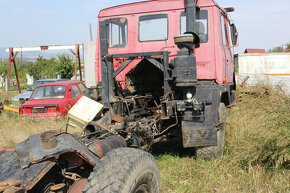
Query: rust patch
{"points": [[117, 118], [87, 158], [58, 187], [48, 140], [32, 182], [108, 146], [99, 149], [78, 186], [44, 47], [6, 149], [9, 185]]}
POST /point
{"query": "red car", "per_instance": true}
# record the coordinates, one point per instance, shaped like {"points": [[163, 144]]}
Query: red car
{"points": [[52, 100]]}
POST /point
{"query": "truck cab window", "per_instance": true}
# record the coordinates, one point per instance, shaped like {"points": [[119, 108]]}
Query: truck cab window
{"points": [[153, 27], [201, 25], [117, 32], [224, 31]]}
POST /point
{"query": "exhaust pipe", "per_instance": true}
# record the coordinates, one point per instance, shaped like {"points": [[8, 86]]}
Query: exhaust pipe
{"points": [[190, 10], [102, 147], [185, 62]]}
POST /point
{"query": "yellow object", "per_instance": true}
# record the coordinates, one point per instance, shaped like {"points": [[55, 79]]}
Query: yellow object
{"points": [[6, 108]]}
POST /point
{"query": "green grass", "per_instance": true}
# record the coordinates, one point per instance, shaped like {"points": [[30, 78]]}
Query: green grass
{"points": [[256, 153]]}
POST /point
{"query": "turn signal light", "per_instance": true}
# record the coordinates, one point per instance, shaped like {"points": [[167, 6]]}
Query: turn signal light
{"points": [[230, 9]]}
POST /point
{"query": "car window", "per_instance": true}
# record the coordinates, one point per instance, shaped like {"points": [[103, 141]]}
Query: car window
{"points": [[49, 92], [82, 87], [34, 85], [75, 91], [38, 83]]}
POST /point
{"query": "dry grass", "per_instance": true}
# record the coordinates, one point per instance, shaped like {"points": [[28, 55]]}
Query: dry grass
{"points": [[257, 151], [14, 129], [190, 175], [256, 157], [258, 129]]}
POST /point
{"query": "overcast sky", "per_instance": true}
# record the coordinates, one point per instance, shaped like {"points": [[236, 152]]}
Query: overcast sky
{"points": [[261, 23]]}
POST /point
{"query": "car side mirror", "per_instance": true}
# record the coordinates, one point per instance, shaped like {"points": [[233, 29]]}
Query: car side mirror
{"points": [[234, 34]]}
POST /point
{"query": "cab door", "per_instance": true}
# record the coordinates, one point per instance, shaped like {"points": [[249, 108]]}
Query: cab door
{"points": [[226, 49]]}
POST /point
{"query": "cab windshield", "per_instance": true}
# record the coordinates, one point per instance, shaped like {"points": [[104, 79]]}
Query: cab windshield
{"points": [[49, 92]]}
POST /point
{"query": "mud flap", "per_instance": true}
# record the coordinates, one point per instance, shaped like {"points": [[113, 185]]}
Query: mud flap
{"points": [[198, 134]]}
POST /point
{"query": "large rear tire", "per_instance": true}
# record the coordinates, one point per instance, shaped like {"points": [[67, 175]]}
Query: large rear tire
{"points": [[125, 170], [214, 152]]}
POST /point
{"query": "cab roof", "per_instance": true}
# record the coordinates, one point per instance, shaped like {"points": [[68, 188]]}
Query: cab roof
{"points": [[149, 7]]}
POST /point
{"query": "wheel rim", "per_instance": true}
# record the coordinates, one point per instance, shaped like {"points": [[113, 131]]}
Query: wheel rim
{"points": [[144, 188]]}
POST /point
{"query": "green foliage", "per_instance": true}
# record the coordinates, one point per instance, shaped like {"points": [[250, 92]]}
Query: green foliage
{"points": [[3, 68], [66, 66], [43, 68], [47, 68], [288, 46], [280, 48], [21, 69]]}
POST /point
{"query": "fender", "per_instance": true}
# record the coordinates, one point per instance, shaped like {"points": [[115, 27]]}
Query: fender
{"points": [[40, 147]]}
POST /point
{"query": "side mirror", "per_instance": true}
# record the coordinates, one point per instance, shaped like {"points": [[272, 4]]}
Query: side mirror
{"points": [[234, 34]]}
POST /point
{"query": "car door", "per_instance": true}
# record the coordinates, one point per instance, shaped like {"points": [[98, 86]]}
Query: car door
{"points": [[76, 94], [82, 87]]}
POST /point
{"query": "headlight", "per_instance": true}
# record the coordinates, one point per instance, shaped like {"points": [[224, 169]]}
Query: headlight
{"points": [[189, 95]]}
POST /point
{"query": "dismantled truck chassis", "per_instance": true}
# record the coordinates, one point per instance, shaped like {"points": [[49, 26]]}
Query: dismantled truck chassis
{"points": [[162, 98]]}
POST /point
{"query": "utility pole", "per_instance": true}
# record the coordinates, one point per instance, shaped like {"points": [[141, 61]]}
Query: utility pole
{"points": [[91, 34]]}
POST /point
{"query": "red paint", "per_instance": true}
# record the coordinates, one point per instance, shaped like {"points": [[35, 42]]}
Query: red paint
{"points": [[214, 59], [51, 108]]}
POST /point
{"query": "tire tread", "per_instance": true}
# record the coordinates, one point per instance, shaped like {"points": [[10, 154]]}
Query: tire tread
{"points": [[114, 168]]}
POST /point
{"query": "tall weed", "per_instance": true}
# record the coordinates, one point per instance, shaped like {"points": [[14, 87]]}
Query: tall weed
{"points": [[258, 128]]}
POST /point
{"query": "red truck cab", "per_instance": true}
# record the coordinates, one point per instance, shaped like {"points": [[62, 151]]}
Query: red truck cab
{"points": [[150, 26]]}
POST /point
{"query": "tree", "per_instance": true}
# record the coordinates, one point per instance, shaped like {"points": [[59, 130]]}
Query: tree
{"points": [[35, 68], [3, 68], [280, 48], [66, 66], [288, 46], [47, 68]]}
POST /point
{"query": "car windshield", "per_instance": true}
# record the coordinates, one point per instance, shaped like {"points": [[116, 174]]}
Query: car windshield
{"points": [[49, 92], [38, 82]]}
